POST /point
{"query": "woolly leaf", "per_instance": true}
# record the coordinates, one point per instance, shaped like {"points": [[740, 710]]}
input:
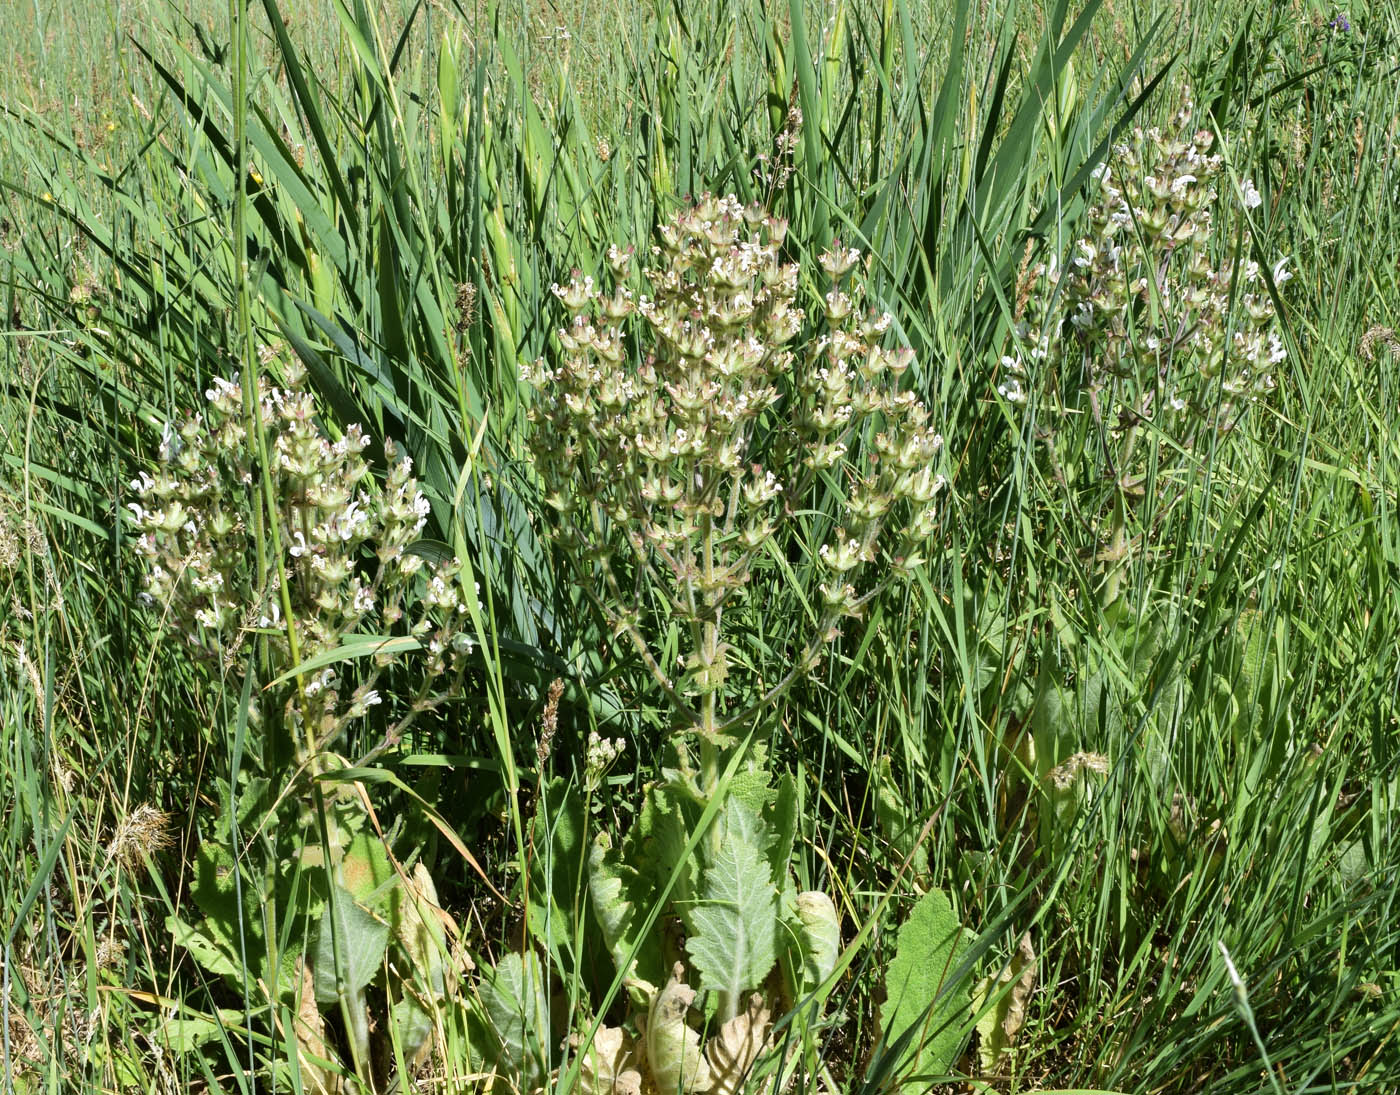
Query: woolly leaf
{"points": [[735, 1047], [518, 1009], [668, 817], [314, 1055], [186, 1034], [1006, 993], [734, 926], [780, 814], [673, 1048], [365, 871], [766, 816], [608, 1065], [349, 947], [621, 899], [413, 1025], [819, 935], [210, 953], [418, 926], [924, 1014]]}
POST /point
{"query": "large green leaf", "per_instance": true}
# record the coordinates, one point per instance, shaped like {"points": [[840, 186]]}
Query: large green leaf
{"points": [[668, 818], [186, 1033], [818, 929], [349, 947], [208, 951], [621, 898], [734, 926], [517, 1006], [925, 1012]]}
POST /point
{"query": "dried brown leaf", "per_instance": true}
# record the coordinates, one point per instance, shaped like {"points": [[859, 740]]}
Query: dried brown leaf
{"points": [[608, 1066], [734, 1049], [999, 1026], [312, 1048]]}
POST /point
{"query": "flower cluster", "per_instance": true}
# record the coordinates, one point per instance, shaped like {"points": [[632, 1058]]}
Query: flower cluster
{"points": [[687, 423], [602, 753], [1143, 317], [337, 557]]}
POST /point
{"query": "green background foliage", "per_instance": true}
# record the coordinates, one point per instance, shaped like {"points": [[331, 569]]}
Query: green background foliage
{"points": [[412, 178]]}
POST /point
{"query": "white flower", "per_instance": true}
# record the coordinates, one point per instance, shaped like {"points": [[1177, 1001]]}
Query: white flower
{"points": [[318, 683], [1252, 198], [222, 389], [441, 594], [1010, 390], [1281, 272]]}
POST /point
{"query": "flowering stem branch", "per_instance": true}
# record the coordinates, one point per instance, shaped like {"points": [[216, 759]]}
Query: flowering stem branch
{"points": [[620, 625], [800, 669]]}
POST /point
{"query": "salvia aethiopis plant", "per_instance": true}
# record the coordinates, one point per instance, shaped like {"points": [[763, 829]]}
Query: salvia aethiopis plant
{"points": [[1155, 325], [680, 423], [1149, 320], [688, 413], [254, 522], [332, 558]]}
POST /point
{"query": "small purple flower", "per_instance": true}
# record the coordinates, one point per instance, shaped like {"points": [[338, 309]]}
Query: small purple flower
{"points": [[1341, 23]]}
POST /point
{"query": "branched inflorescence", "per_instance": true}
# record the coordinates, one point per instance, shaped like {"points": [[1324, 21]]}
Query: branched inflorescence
{"points": [[342, 545], [1155, 328], [691, 434]]}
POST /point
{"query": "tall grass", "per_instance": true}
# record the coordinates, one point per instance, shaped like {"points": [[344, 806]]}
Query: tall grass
{"points": [[411, 184]]}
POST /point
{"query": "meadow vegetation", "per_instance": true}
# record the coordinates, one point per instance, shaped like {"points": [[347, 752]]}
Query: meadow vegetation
{"points": [[699, 547]]}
